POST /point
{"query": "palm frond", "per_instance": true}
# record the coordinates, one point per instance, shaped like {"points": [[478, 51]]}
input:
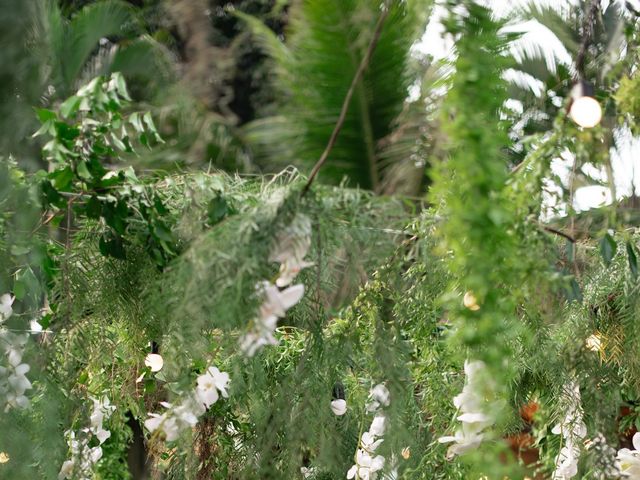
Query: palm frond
{"points": [[326, 43], [83, 33]]}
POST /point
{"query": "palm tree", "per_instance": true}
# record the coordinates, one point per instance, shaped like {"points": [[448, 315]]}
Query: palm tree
{"points": [[326, 41]]}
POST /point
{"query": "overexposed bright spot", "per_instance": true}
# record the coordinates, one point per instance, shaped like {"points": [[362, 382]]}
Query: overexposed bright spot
{"points": [[586, 112]]}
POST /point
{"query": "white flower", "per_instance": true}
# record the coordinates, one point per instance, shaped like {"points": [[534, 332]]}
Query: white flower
{"points": [[628, 461], [6, 311], [14, 355], [277, 301], [102, 435], [253, 341], [307, 472], [17, 401], [339, 407], [153, 423], [101, 409], [567, 462], [369, 442], [289, 269], [293, 241], [366, 466], [464, 440], [35, 327], [209, 383], [572, 424], [275, 305], [18, 381], [378, 425], [187, 413], [291, 247], [154, 361], [379, 397], [572, 428], [67, 470]]}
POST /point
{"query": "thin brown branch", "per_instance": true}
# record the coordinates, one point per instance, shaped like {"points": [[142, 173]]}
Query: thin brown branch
{"points": [[347, 99], [559, 233]]}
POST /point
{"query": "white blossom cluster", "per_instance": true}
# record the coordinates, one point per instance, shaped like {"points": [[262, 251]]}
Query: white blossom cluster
{"points": [[292, 245], [573, 431], [13, 380], [473, 406], [177, 418], [83, 456], [367, 463]]}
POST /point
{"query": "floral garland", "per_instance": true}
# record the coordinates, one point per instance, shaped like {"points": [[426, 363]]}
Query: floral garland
{"points": [[473, 405], [83, 457], [13, 380], [291, 247], [367, 464], [573, 430]]}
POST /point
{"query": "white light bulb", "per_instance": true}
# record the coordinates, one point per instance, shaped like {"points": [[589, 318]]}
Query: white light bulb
{"points": [[154, 362], [339, 407], [586, 112]]}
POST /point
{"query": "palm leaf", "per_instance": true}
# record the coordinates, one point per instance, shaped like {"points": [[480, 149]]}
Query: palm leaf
{"points": [[83, 33], [327, 40]]}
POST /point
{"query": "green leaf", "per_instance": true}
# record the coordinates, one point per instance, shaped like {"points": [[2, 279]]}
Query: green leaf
{"points": [[61, 179], [217, 209], [93, 207], [18, 250], [148, 120], [70, 106], [633, 260], [607, 248], [121, 85], [162, 232], [45, 115], [134, 119], [47, 127], [83, 171]]}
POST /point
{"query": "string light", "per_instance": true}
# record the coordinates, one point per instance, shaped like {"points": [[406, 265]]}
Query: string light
{"points": [[154, 360], [585, 109]]}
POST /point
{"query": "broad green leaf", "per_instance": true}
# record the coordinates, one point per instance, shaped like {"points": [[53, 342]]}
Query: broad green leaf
{"points": [[61, 179], [633, 260], [70, 106], [607, 248], [45, 115], [83, 171]]}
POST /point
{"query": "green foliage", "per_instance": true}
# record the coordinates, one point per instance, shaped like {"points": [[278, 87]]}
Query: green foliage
{"points": [[88, 132]]}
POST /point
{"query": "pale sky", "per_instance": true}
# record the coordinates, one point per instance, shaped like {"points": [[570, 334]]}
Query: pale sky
{"points": [[538, 39]]}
